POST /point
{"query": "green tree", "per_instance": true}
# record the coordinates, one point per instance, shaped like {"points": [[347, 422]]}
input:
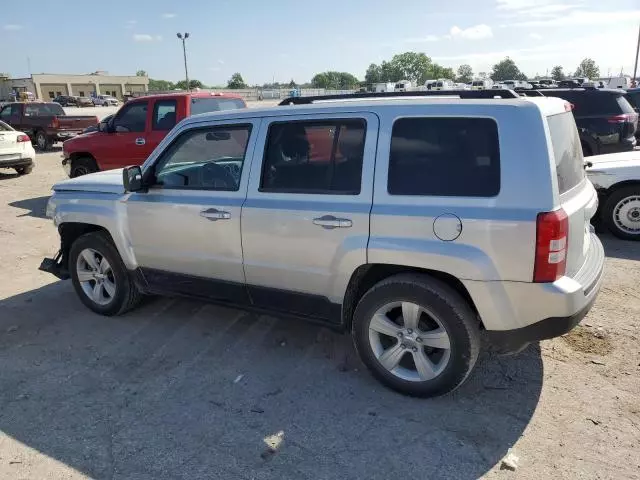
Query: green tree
{"points": [[236, 81], [160, 85], [483, 75], [389, 72], [587, 68], [465, 73], [373, 74], [412, 66], [557, 73], [506, 70], [141, 73], [292, 84], [182, 84], [334, 81]]}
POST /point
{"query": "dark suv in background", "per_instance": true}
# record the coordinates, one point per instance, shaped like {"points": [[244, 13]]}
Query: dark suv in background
{"points": [[66, 100], [633, 97], [606, 120]]}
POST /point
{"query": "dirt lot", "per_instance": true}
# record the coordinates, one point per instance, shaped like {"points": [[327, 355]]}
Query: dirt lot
{"points": [[181, 389]]}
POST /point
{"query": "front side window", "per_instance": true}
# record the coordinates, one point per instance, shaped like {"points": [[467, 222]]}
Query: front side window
{"points": [[164, 115], [205, 159], [314, 157], [132, 118], [444, 156]]}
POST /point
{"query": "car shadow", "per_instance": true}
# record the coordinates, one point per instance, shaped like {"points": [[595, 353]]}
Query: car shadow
{"points": [[618, 248], [37, 206], [184, 389], [6, 174]]}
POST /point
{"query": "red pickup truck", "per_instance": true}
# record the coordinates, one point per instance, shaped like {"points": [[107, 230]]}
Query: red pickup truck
{"points": [[45, 123], [136, 130]]}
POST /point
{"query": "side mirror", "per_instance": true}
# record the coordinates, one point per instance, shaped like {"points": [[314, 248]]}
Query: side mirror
{"points": [[103, 127], [132, 178]]}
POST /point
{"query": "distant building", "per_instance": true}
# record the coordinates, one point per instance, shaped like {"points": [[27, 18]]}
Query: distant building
{"points": [[47, 86]]}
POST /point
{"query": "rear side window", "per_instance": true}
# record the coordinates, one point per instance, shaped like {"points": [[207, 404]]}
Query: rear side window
{"points": [[634, 99], [164, 115], [595, 103], [314, 157], [215, 104], [452, 157], [567, 151]]}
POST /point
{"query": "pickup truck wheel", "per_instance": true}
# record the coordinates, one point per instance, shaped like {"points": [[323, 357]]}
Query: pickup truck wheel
{"points": [[24, 170], [83, 166], [416, 335], [42, 141], [99, 276], [621, 212]]}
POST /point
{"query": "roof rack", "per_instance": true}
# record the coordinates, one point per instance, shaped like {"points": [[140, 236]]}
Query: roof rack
{"points": [[464, 94], [529, 92]]}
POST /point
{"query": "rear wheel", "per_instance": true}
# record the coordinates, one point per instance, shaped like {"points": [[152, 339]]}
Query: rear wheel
{"points": [[99, 276], [621, 212], [416, 335], [83, 166], [42, 141], [24, 170]]}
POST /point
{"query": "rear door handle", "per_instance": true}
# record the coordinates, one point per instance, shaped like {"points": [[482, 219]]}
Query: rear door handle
{"points": [[330, 222], [140, 141], [214, 214]]}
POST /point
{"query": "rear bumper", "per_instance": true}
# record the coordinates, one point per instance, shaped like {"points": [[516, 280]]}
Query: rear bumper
{"points": [[16, 162], [517, 313], [625, 145], [507, 341]]}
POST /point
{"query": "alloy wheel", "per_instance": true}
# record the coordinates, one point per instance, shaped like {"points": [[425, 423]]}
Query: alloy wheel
{"points": [[96, 276]]}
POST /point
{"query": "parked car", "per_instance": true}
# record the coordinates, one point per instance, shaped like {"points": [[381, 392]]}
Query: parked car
{"points": [[606, 121], [419, 233], [94, 128], [85, 102], [45, 123], [105, 101], [616, 178], [482, 84], [66, 100], [137, 128], [16, 150]]}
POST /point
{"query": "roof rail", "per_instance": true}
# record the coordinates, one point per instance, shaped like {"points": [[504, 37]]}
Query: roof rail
{"points": [[529, 92], [464, 94]]}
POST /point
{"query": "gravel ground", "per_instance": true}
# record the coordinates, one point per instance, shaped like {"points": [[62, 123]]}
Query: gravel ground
{"points": [[180, 389]]}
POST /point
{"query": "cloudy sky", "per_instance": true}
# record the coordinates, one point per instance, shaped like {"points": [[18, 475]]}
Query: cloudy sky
{"points": [[286, 39]]}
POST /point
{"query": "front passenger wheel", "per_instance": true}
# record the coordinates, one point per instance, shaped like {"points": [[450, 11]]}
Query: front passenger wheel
{"points": [[99, 276], [416, 335]]}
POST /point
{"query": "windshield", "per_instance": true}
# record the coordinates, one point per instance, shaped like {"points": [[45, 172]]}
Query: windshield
{"points": [[43, 109], [567, 151], [215, 104], [478, 84]]}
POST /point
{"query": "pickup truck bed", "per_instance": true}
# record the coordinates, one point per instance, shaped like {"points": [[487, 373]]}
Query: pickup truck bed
{"points": [[45, 123]]}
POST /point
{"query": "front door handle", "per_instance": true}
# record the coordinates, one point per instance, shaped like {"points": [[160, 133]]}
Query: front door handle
{"points": [[330, 222], [140, 141], [214, 214]]}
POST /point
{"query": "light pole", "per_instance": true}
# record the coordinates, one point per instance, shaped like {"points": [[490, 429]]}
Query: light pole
{"points": [[184, 51]]}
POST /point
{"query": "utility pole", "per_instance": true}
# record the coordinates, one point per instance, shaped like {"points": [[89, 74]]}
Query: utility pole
{"points": [[184, 51], [635, 66]]}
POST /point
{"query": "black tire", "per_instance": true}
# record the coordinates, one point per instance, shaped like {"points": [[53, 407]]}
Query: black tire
{"points": [[83, 166], [608, 212], [127, 295], [24, 170], [455, 315], [42, 141]]}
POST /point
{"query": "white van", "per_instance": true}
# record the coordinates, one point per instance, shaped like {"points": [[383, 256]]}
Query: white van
{"points": [[485, 84], [619, 82], [383, 87], [403, 86], [430, 84], [443, 84]]}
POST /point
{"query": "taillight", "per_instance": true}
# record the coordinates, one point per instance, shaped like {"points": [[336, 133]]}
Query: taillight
{"points": [[55, 123], [23, 138], [624, 118], [552, 229]]}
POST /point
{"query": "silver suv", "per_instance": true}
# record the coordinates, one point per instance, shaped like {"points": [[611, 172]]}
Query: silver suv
{"points": [[419, 225]]}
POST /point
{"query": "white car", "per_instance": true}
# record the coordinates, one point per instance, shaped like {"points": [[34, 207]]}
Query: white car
{"points": [[616, 177], [105, 100], [16, 150]]}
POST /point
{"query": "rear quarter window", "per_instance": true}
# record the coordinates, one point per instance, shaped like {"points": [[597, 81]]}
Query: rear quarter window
{"points": [[444, 156], [567, 151], [215, 104]]}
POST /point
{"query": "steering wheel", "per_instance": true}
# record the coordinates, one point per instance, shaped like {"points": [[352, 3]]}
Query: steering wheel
{"points": [[212, 175]]}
